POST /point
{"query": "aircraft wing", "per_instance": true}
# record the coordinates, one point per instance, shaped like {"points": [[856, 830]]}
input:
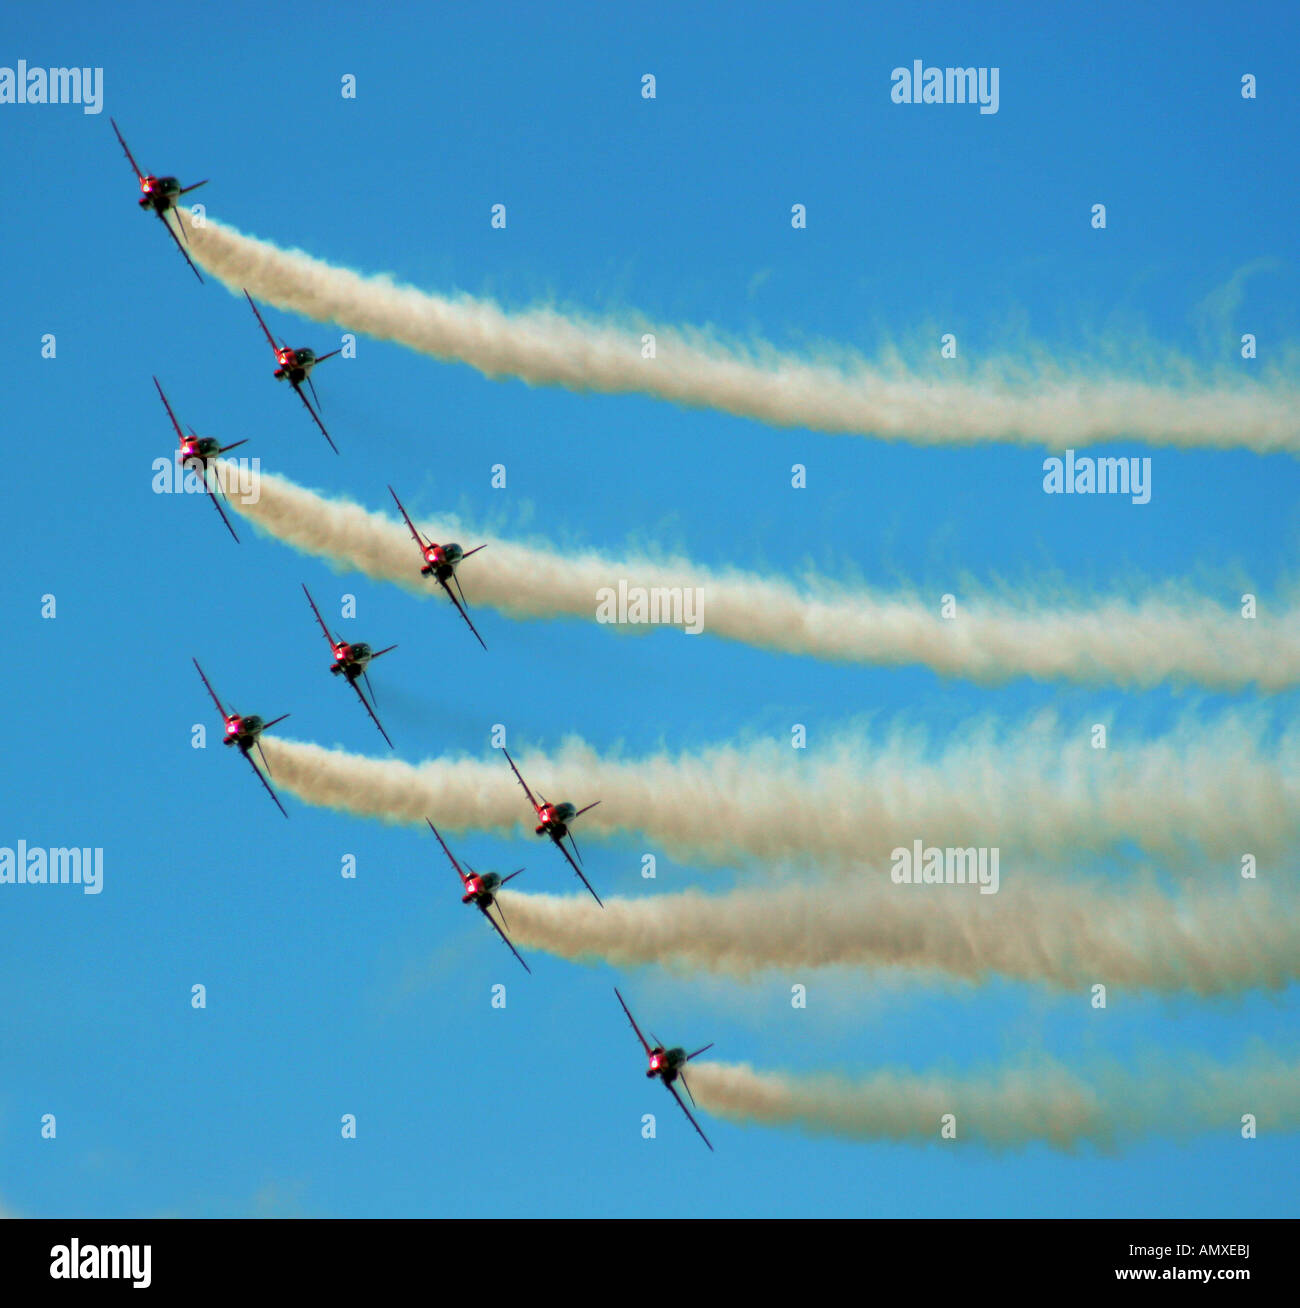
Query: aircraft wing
{"points": [[275, 349], [320, 358], [180, 435], [520, 779], [315, 416], [366, 703], [211, 692], [686, 1085], [559, 844], [265, 782], [644, 1043], [319, 619], [460, 609], [419, 540], [216, 503], [171, 231], [463, 878], [688, 1113], [139, 176], [497, 928]]}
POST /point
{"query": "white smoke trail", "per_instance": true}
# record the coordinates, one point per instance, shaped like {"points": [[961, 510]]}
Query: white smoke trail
{"points": [[1140, 644], [1071, 936], [547, 347], [1012, 1107], [1035, 790]]}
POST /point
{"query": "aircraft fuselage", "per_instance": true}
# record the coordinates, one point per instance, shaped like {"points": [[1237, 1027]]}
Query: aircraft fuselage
{"points": [[158, 193], [553, 819], [666, 1064], [244, 731], [351, 660], [440, 561], [481, 889], [201, 448], [295, 365]]}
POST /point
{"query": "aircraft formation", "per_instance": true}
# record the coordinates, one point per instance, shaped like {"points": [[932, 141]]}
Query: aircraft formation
{"points": [[351, 659]]}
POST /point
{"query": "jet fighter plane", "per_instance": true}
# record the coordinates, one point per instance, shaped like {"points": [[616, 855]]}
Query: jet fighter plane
{"points": [[296, 366], [480, 890], [668, 1065], [555, 820], [244, 730], [160, 194], [351, 660], [440, 562], [198, 450]]}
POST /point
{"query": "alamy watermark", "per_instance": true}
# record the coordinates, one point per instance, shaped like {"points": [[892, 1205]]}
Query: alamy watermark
{"points": [[922, 85], [929, 865], [35, 866], [75, 1261], [178, 474], [670, 606], [1106, 476], [23, 85]]}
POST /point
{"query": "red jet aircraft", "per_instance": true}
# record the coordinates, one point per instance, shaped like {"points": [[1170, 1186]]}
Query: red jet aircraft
{"points": [[480, 890], [296, 366], [243, 731], [554, 820], [197, 450], [440, 562], [668, 1065], [161, 194], [352, 660]]}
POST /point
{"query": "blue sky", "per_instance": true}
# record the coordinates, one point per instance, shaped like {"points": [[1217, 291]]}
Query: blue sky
{"points": [[328, 996]]}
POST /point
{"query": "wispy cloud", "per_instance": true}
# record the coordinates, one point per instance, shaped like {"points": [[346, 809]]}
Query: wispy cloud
{"points": [[847, 393], [1180, 636], [1218, 788], [1013, 1107], [1071, 936]]}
